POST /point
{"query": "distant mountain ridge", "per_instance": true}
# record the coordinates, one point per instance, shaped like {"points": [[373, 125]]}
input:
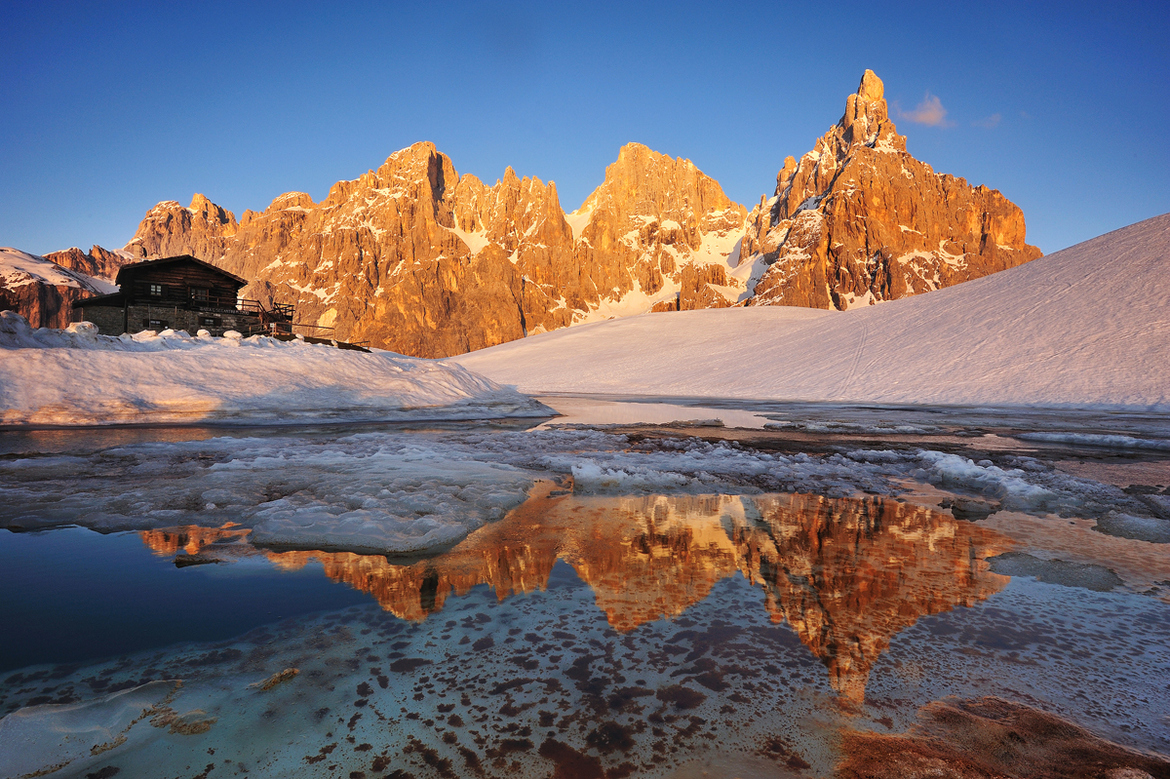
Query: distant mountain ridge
{"points": [[415, 258], [418, 259], [43, 291]]}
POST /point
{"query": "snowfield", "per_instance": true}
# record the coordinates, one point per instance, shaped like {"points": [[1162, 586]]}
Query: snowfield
{"points": [[1086, 327], [77, 377]]}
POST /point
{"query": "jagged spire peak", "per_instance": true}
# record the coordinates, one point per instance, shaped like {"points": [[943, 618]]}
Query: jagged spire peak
{"points": [[871, 87]]}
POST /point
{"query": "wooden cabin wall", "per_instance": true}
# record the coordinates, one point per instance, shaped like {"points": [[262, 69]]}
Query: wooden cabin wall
{"points": [[177, 279]]}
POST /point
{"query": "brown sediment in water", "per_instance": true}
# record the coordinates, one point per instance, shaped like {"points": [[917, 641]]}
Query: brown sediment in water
{"points": [[990, 737]]}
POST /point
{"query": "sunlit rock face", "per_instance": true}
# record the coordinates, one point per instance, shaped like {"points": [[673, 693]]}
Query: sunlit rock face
{"points": [[43, 291], [858, 220], [414, 258], [659, 229], [97, 262], [849, 574]]}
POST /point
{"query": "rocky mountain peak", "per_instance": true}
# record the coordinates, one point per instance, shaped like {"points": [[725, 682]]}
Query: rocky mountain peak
{"points": [[643, 181], [419, 169], [858, 220], [867, 117], [414, 258], [871, 87], [650, 226]]}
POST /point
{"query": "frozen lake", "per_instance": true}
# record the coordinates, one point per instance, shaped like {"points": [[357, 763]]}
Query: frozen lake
{"points": [[631, 589]]}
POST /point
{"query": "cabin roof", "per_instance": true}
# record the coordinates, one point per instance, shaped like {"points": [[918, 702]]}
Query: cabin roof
{"points": [[113, 299], [127, 272]]}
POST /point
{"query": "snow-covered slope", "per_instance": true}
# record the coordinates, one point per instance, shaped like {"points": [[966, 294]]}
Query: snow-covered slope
{"points": [[18, 269], [43, 291], [77, 377], [1086, 326]]}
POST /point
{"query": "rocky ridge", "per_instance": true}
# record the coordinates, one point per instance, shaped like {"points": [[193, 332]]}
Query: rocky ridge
{"points": [[43, 291], [415, 258], [97, 262], [858, 220], [418, 259]]}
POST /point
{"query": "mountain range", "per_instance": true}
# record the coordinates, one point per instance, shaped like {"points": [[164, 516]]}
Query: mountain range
{"points": [[415, 258]]}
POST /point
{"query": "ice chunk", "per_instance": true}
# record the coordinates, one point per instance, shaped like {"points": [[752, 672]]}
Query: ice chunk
{"points": [[1105, 441], [1123, 525], [43, 739], [409, 507], [1091, 577]]}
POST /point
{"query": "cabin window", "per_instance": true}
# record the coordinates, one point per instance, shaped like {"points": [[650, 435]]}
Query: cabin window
{"points": [[156, 290], [199, 293], [210, 321], [155, 324]]}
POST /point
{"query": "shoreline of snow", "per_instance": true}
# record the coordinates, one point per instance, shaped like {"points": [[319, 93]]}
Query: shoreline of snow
{"points": [[75, 377], [1083, 328]]}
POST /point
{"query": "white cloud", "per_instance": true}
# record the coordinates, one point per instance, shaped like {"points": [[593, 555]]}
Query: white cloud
{"points": [[929, 112], [988, 122]]}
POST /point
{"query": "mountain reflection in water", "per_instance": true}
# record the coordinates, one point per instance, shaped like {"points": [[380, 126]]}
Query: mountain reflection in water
{"points": [[847, 574]]}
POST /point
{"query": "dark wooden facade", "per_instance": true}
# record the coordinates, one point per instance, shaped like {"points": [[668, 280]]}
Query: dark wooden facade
{"points": [[184, 280], [180, 293]]}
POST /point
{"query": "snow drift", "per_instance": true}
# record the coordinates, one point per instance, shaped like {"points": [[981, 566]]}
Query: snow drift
{"points": [[77, 377], [1084, 327]]}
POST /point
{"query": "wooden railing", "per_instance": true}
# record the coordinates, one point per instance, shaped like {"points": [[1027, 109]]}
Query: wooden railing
{"points": [[213, 304]]}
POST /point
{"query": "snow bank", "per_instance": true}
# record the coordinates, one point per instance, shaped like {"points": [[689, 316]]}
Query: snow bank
{"points": [[77, 377], [1084, 327]]}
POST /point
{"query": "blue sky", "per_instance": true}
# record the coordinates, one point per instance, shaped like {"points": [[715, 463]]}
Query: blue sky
{"points": [[112, 107]]}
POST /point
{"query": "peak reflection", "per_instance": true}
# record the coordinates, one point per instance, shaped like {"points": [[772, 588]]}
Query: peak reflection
{"points": [[846, 573]]}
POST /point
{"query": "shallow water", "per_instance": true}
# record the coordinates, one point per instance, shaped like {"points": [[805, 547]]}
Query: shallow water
{"points": [[656, 606]]}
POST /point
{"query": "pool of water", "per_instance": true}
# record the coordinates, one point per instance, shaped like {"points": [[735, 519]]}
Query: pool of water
{"points": [[686, 601]]}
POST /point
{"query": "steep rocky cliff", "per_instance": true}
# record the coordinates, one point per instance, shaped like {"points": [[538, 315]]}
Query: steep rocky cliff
{"points": [[658, 231], [414, 258], [97, 262], [42, 291], [858, 220]]}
